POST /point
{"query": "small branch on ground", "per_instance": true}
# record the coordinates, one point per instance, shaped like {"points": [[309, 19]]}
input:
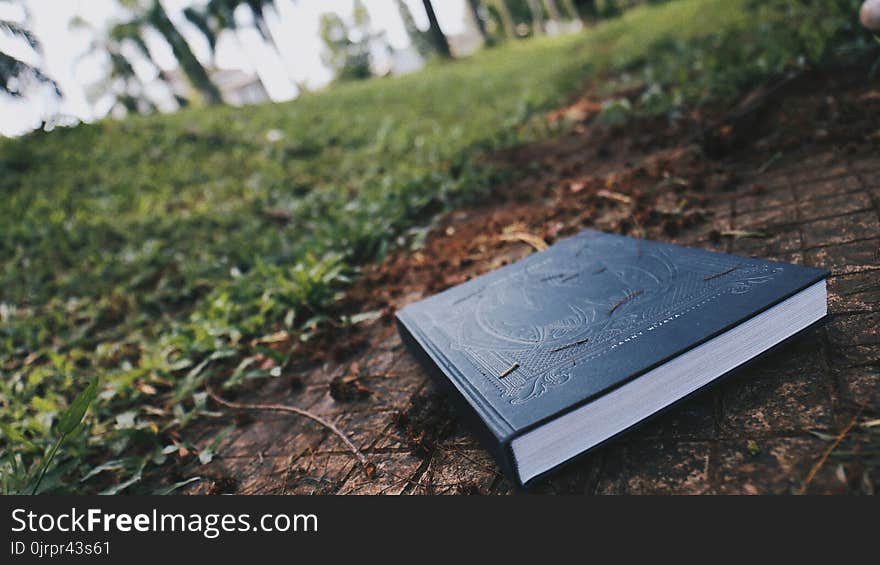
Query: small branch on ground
{"points": [[368, 467], [821, 462], [525, 237]]}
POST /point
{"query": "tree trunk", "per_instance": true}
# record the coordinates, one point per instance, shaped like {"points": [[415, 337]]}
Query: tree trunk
{"points": [[552, 10], [437, 37], [416, 36], [190, 65], [537, 16], [586, 10], [506, 19], [259, 14], [571, 10], [263, 30], [474, 6]]}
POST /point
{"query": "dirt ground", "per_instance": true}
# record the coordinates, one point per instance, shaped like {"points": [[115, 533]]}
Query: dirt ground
{"points": [[797, 179]]}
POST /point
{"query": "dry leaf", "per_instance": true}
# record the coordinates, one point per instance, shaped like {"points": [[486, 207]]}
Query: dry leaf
{"points": [[616, 196], [743, 233], [525, 237], [277, 337]]}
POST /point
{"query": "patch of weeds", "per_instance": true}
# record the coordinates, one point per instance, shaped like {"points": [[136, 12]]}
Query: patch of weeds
{"points": [[615, 111], [768, 39], [19, 479]]}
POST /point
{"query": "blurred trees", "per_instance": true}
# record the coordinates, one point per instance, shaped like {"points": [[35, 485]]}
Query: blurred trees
{"points": [[571, 10], [537, 16], [151, 14], [212, 19], [477, 18], [218, 16], [504, 16], [419, 39], [512, 19], [258, 9], [586, 9], [438, 38], [122, 83], [522, 18], [347, 48], [553, 11], [15, 74]]}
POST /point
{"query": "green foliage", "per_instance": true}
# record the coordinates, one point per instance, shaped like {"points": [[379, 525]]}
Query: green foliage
{"points": [[150, 15], [121, 82], [15, 477], [17, 75], [74, 415], [159, 253], [347, 47], [615, 111], [768, 38]]}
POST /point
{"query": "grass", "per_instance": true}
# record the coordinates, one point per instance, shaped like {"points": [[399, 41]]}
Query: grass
{"points": [[154, 253]]}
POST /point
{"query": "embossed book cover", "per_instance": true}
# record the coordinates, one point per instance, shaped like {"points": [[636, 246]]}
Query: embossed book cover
{"points": [[557, 353]]}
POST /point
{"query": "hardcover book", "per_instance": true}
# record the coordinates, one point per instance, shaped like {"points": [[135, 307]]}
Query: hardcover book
{"points": [[557, 353]]}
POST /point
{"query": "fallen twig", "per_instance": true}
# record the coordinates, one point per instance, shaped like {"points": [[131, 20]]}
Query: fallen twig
{"points": [[369, 468], [509, 370], [418, 484], [769, 163], [526, 237], [821, 462], [721, 274], [616, 196], [624, 300], [744, 233], [567, 345]]}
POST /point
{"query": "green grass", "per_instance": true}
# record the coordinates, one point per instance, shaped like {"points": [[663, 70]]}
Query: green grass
{"points": [[149, 253]]}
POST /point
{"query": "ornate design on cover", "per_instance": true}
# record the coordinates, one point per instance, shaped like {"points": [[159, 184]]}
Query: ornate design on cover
{"points": [[592, 295]]}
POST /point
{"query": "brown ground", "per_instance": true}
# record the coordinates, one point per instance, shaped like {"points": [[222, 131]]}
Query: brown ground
{"points": [[804, 186]]}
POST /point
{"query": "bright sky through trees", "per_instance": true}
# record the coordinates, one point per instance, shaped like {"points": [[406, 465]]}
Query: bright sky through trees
{"points": [[294, 26]]}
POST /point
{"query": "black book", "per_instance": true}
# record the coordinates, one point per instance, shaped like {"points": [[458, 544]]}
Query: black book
{"points": [[559, 352]]}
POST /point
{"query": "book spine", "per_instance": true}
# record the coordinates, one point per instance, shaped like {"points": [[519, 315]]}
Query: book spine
{"points": [[496, 442]]}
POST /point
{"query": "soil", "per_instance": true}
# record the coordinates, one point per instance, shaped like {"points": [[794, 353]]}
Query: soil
{"points": [[800, 184]]}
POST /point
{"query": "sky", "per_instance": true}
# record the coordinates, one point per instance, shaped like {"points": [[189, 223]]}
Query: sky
{"points": [[294, 25]]}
